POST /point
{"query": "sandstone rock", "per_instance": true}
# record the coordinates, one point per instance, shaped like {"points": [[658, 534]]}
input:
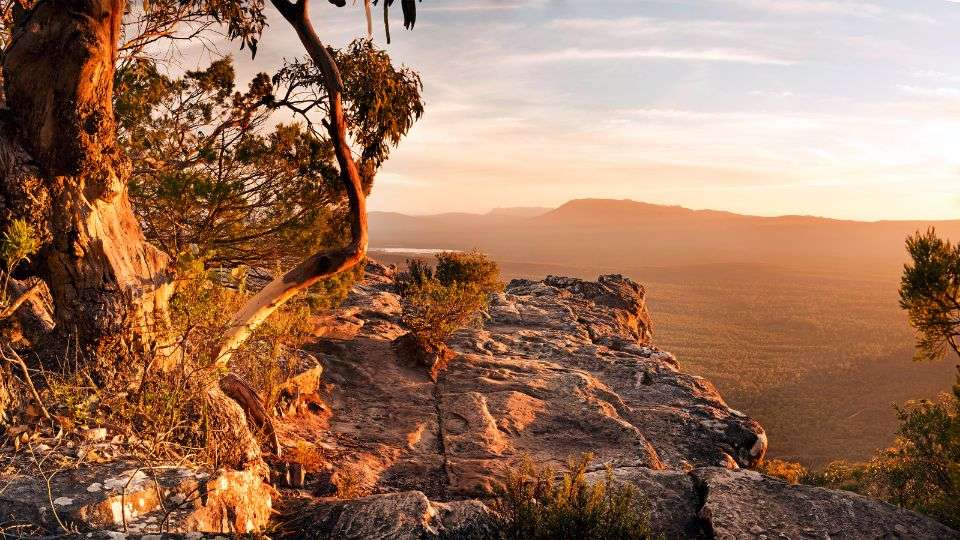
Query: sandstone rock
{"points": [[747, 504], [397, 516], [562, 367], [125, 496], [300, 392], [672, 496]]}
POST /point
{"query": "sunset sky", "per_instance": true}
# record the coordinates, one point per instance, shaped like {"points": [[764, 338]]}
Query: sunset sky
{"points": [[845, 109]]}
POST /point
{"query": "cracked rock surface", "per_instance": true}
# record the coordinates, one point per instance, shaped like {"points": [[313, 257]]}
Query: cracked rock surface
{"points": [[561, 367]]}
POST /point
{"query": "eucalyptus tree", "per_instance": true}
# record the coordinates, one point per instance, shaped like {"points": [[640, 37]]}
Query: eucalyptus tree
{"points": [[63, 171]]}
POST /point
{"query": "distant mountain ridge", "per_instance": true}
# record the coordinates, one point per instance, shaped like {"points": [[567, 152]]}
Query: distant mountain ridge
{"points": [[625, 234], [621, 207]]}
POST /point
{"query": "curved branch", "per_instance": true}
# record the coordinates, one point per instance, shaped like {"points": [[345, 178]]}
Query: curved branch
{"points": [[20, 300], [325, 263]]}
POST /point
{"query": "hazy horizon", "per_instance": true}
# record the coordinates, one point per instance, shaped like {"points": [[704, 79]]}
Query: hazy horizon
{"points": [[486, 211]]}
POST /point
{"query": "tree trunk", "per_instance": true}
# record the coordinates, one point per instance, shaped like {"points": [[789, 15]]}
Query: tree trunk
{"points": [[62, 170]]}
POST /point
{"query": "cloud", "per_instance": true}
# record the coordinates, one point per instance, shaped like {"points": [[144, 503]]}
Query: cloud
{"points": [[654, 26], [781, 94], [939, 92], [483, 6], [851, 8], [652, 53]]}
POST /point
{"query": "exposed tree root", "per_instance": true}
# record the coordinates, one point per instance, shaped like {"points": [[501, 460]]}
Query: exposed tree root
{"points": [[238, 390]]}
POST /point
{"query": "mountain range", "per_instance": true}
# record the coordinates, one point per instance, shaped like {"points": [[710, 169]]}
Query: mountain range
{"points": [[625, 234]]}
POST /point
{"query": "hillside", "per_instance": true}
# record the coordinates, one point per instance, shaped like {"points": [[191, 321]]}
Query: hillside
{"points": [[795, 318]]}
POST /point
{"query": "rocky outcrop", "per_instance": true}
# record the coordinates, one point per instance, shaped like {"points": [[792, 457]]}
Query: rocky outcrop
{"points": [[131, 497], [561, 367], [391, 450]]}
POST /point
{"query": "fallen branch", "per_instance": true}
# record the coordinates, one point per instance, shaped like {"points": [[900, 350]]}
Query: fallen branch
{"points": [[238, 390]]}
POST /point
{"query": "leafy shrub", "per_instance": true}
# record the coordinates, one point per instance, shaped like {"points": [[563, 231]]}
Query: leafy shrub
{"points": [[438, 302], [17, 244], [535, 503], [788, 471]]}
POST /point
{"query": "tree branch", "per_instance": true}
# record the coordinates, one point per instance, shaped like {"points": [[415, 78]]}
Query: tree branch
{"points": [[23, 298], [325, 263]]}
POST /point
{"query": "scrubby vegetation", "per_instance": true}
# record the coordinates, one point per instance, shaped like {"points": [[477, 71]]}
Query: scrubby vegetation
{"points": [[438, 302], [921, 469], [788, 471], [537, 503]]}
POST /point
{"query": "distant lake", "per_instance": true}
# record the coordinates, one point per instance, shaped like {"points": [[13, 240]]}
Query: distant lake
{"points": [[411, 251]]}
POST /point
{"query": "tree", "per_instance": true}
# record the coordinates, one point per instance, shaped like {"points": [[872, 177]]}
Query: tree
{"points": [[63, 172], [930, 293], [210, 181]]}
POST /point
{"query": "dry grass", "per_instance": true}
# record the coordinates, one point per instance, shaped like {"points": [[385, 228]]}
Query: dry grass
{"points": [[157, 410], [537, 503]]}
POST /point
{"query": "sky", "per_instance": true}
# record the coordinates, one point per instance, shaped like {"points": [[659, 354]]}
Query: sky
{"points": [[838, 108]]}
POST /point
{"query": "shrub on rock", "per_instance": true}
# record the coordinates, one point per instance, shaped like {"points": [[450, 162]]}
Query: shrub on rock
{"points": [[537, 504], [439, 301]]}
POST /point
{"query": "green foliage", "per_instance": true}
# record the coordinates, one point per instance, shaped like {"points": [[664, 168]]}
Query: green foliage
{"points": [[381, 101], [787, 471], [331, 292], [18, 243], [211, 176], [930, 292], [471, 267], [534, 504], [437, 303], [921, 471]]}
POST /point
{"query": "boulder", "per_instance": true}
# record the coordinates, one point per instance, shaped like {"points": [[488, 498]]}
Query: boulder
{"points": [[126, 496], [747, 504], [397, 516]]}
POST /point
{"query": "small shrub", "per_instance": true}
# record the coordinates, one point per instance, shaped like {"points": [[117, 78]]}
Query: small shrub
{"points": [[537, 504], [17, 244], [788, 471], [437, 303]]}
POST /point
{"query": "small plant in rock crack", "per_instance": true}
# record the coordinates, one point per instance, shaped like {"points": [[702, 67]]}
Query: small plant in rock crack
{"points": [[537, 503]]}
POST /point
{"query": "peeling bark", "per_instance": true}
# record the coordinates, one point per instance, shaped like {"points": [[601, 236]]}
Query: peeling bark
{"points": [[109, 286]]}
